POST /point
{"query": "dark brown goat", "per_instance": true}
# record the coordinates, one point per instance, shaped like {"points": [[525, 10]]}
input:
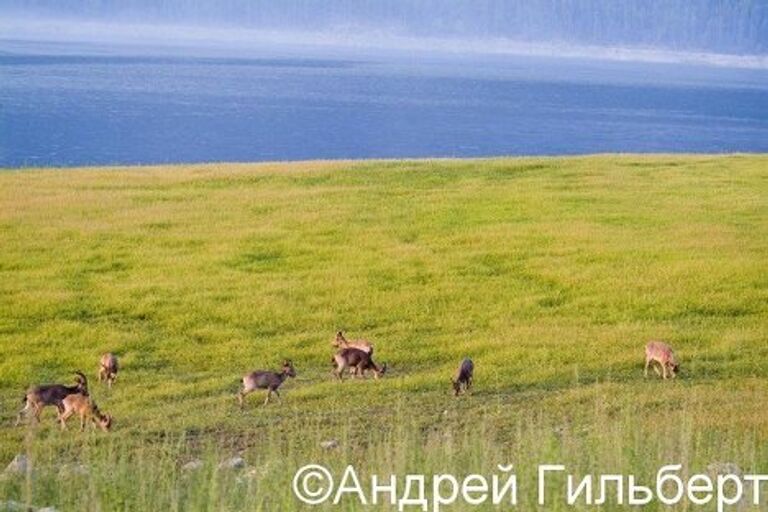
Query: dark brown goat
{"points": [[462, 381], [38, 397], [357, 360]]}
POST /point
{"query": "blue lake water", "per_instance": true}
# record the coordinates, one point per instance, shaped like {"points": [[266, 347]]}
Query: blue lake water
{"points": [[79, 105]]}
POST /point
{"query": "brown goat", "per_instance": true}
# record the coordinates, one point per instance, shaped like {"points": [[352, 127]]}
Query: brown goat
{"points": [[108, 368], [341, 342], [357, 360], [661, 353], [38, 397], [462, 380], [86, 408]]}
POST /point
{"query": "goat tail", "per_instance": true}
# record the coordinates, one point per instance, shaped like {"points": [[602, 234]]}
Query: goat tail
{"points": [[24, 399]]}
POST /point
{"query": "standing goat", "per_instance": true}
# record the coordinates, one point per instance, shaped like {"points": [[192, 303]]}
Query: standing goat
{"points": [[86, 408], [341, 342], [357, 360], [108, 368], [38, 397], [270, 381], [462, 381], [661, 353]]}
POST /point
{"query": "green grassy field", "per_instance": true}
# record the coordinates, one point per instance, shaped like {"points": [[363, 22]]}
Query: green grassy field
{"points": [[551, 273]]}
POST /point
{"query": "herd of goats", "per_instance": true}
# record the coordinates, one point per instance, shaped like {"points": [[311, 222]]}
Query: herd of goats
{"points": [[354, 356]]}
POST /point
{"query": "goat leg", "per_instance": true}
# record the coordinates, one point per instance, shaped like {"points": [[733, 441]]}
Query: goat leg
{"points": [[22, 413], [241, 397]]}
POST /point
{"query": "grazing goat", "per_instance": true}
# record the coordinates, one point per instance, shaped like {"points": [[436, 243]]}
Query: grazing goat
{"points": [[661, 353], [86, 408], [463, 378], [108, 368], [341, 342], [38, 397], [358, 360], [270, 381]]}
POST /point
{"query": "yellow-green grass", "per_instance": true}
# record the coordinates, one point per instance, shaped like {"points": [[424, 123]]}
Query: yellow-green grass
{"points": [[551, 273]]}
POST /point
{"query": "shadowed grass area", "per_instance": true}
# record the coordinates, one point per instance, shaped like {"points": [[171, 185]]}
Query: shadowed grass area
{"points": [[551, 273]]}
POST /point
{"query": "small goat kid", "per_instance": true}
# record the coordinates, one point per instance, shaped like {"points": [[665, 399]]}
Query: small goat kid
{"points": [[38, 397], [341, 342], [661, 353], [357, 360], [108, 368], [270, 381], [462, 381], [86, 408]]}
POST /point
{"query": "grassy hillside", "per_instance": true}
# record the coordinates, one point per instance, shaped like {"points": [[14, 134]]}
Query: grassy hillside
{"points": [[550, 273]]}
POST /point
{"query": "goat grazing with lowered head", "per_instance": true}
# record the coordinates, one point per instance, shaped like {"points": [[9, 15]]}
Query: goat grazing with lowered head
{"points": [[661, 353], [41, 396], [86, 408], [358, 361], [462, 380], [108, 368], [268, 380]]}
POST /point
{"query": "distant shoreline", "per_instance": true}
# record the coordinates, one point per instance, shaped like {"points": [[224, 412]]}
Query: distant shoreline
{"points": [[334, 163]]}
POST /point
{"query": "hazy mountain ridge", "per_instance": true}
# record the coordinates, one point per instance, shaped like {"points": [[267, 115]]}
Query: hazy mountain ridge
{"points": [[720, 26]]}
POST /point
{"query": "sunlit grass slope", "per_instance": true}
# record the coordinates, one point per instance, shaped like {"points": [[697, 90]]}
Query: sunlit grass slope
{"points": [[550, 273]]}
